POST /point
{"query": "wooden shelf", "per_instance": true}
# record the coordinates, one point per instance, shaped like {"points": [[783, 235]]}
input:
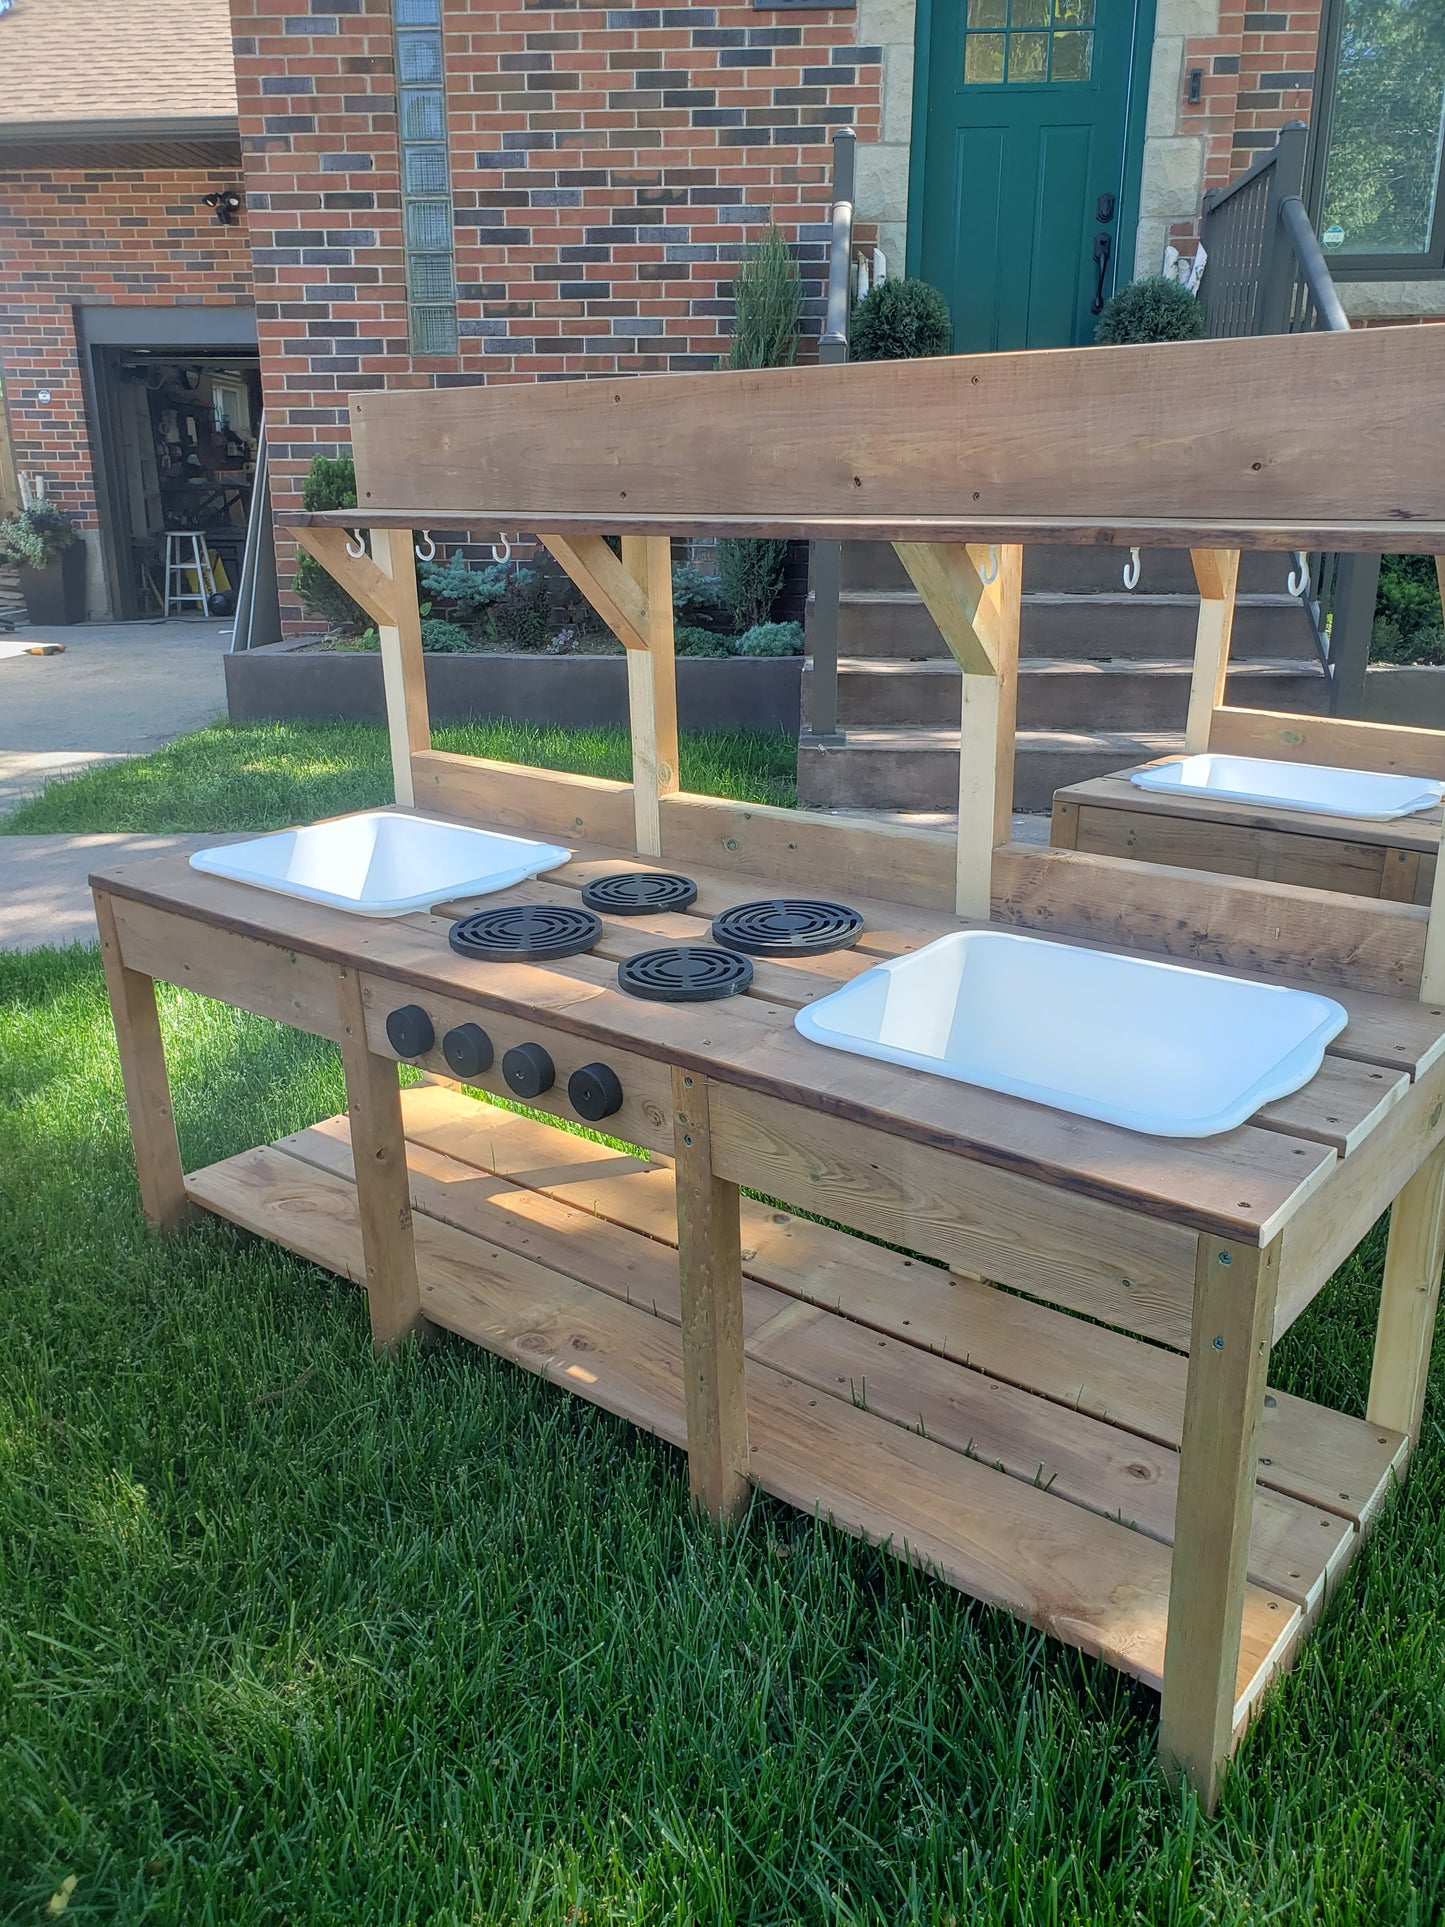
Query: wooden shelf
{"points": [[1028, 1458]]}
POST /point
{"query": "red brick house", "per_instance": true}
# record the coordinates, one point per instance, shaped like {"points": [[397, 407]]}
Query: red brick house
{"points": [[442, 193]]}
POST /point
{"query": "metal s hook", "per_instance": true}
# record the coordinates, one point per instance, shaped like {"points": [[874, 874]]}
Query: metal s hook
{"points": [[1131, 570], [355, 544], [427, 554], [501, 552], [1298, 579], [992, 573]]}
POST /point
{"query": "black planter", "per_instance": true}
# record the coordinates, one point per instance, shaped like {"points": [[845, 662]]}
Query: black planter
{"points": [[55, 595]]}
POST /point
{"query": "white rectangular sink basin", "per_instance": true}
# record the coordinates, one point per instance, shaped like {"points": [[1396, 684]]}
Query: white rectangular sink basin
{"points": [[1293, 786], [1153, 1046], [380, 864]]}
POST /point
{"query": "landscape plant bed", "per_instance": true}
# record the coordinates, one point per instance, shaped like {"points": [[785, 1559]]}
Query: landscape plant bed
{"points": [[301, 681]]}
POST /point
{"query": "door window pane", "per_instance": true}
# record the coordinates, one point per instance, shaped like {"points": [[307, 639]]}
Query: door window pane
{"points": [[983, 57], [1041, 41], [1382, 175], [1072, 56]]}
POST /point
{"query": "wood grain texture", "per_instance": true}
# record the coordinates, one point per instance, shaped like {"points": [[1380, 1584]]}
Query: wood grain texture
{"points": [[403, 666], [1421, 537], [1093, 434], [141, 1049], [711, 1284], [373, 1103], [1217, 573], [1409, 1297], [609, 585], [1084, 1578], [366, 584], [1419, 832], [1228, 1366], [1231, 849], [1392, 749], [652, 690]]}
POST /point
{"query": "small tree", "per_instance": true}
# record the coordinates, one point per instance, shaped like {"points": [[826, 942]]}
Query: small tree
{"points": [[900, 321], [1154, 309], [330, 484]]}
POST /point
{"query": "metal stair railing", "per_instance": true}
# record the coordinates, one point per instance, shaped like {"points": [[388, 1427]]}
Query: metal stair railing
{"points": [[825, 563], [1266, 274]]}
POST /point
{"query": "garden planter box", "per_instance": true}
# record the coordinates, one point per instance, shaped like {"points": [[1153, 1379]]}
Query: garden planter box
{"points": [[284, 682], [55, 594]]}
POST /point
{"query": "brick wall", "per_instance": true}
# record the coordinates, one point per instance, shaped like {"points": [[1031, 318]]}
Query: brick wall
{"points": [[607, 166], [1258, 73], [68, 239]]}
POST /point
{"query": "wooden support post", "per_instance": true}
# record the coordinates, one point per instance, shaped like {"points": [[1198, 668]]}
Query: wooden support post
{"points": [[973, 594], [1432, 970], [1217, 573], [1235, 1288], [710, 1262], [403, 666], [652, 689], [1408, 1300], [383, 1189], [143, 1075]]}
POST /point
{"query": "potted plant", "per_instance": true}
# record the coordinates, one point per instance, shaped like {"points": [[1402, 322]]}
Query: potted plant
{"points": [[49, 558], [900, 321], [1154, 309]]}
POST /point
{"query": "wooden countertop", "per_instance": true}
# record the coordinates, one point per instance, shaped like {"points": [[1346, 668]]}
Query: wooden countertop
{"points": [[1244, 1184]]}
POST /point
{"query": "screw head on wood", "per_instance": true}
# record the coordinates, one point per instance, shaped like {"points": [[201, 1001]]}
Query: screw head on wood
{"points": [[1219, 1344]]}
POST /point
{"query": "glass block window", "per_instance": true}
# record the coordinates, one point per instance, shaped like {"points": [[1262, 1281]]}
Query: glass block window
{"points": [[1027, 42], [1384, 146], [426, 194]]}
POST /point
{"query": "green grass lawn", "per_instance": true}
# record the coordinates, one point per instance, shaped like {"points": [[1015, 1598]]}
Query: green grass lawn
{"points": [[264, 776], [291, 1636]]}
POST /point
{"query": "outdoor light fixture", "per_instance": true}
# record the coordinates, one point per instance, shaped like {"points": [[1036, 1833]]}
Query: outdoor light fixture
{"points": [[227, 205]]}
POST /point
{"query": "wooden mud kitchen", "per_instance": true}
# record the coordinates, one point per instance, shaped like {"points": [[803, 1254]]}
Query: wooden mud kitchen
{"points": [[1095, 1447]]}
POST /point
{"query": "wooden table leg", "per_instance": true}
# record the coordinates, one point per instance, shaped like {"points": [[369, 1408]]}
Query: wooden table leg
{"points": [[710, 1260], [1235, 1287], [383, 1190], [1408, 1298], [147, 1086]]}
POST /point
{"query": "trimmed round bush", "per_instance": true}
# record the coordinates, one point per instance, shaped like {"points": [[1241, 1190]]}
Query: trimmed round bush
{"points": [[1154, 309], [899, 321]]}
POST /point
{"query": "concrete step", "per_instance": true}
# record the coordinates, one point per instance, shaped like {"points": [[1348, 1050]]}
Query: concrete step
{"points": [[916, 768], [873, 565], [1056, 694], [894, 623]]}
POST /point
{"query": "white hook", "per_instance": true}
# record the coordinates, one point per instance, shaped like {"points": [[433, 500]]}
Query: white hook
{"points": [[1131, 570], [355, 546], [992, 575], [1299, 575], [502, 553], [428, 553]]}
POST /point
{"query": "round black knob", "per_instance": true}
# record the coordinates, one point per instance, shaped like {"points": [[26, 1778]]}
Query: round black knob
{"points": [[529, 1070], [409, 1031], [595, 1092], [468, 1050]]}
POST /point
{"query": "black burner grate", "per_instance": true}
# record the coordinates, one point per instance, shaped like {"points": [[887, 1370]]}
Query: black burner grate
{"points": [[688, 974], [787, 927], [633, 893], [525, 932]]}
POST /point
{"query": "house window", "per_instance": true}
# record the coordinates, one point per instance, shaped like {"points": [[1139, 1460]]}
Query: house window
{"points": [[1016, 42], [426, 194], [1382, 208]]}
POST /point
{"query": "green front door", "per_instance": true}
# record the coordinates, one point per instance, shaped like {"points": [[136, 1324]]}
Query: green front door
{"points": [[1023, 164]]}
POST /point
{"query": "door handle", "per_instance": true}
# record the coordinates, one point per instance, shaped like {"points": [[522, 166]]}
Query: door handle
{"points": [[1103, 248]]}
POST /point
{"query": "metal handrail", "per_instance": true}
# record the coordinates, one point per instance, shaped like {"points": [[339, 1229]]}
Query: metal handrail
{"points": [[825, 562], [1314, 268], [834, 343]]}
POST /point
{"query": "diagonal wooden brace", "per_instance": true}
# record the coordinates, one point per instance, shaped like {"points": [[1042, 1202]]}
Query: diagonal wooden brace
{"points": [[607, 585], [1217, 573], [362, 580]]}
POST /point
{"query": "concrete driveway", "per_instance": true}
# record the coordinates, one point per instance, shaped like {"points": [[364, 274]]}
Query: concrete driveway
{"points": [[120, 688]]}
